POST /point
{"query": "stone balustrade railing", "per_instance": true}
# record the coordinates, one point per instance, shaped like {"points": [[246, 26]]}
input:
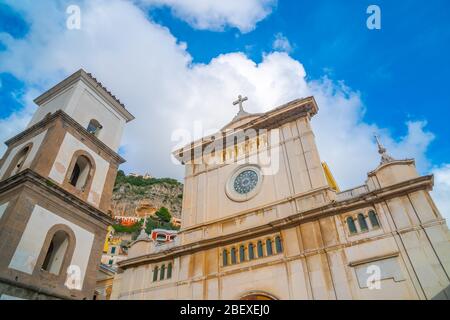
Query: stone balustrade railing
{"points": [[352, 193]]}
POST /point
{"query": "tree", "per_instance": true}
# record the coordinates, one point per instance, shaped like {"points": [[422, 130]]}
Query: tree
{"points": [[150, 225], [164, 214]]}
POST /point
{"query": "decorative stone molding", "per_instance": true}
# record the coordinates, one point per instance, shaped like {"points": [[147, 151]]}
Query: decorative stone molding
{"points": [[36, 181], [332, 209]]}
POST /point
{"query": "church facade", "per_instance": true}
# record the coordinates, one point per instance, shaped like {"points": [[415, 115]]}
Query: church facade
{"points": [[56, 182], [263, 218]]}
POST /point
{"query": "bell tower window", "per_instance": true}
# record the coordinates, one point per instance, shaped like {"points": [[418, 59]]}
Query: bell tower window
{"points": [[18, 161], [80, 172], [94, 127], [56, 252]]}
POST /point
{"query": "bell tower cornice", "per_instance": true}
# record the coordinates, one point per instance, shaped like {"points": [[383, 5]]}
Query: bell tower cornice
{"points": [[68, 120]]}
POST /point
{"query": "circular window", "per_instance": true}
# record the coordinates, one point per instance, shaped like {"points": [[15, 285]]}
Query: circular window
{"points": [[244, 183]]}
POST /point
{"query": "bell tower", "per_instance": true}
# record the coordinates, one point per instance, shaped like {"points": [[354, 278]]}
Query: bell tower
{"points": [[56, 182]]}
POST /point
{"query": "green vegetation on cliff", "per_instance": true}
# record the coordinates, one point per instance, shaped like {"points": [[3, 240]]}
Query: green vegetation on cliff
{"points": [[141, 181], [136, 195]]}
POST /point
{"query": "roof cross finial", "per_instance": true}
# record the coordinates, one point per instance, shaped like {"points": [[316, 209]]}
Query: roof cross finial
{"points": [[382, 151], [239, 101]]}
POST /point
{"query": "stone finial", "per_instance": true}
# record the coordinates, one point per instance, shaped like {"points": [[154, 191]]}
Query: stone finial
{"points": [[239, 102], [385, 157]]}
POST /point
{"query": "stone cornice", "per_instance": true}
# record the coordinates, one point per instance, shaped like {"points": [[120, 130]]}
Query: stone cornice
{"points": [[39, 290], [331, 209], [91, 82], [47, 185], [70, 121], [266, 206]]}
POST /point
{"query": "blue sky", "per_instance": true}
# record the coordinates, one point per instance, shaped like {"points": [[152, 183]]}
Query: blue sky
{"points": [[401, 70], [177, 62]]}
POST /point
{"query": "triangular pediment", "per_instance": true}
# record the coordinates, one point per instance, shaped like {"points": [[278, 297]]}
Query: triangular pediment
{"points": [[240, 120]]}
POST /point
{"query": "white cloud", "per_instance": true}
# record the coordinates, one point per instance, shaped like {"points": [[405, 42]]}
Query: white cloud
{"points": [[281, 43], [218, 14], [441, 191], [144, 65], [13, 124]]}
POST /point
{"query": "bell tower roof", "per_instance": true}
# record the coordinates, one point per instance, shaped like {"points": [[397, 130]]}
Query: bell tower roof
{"points": [[83, 98], [93, 84]]}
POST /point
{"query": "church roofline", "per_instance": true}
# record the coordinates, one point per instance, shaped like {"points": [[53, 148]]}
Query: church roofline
{"points": [[238, 118], [94, 84], [393, 162], [268, 120]]}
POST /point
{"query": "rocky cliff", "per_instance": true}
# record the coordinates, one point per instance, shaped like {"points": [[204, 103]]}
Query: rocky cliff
{"points": [[139, 196]]}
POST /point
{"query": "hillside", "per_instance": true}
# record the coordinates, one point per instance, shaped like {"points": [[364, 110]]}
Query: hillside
{"points": [[137, 196]]}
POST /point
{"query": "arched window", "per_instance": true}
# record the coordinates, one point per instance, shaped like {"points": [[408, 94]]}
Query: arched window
{"points": [[278, 244], [155, 273], [163, 272], [233, 256], [56, 251], [225, 257], [80, 172], [251, 251], [374, 219], [260, 249], [351, 225], [269, 247], [94, 127], [18, 161], [169, 270], [241, 254], [362, 222]]}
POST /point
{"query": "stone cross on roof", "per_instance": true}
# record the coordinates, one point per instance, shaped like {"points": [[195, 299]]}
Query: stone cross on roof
{"points": [[239, 101], [241, 112]]}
